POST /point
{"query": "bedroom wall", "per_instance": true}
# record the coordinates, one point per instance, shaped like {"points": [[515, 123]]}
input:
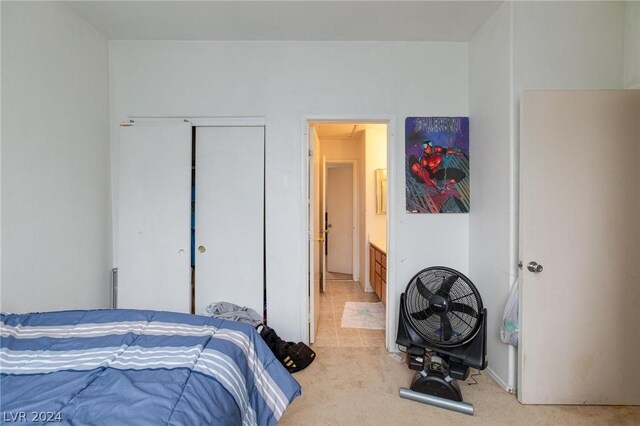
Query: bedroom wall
{"points": [[284, 82], [581, 46], [490, 109], [632, 45], [55, 160]]}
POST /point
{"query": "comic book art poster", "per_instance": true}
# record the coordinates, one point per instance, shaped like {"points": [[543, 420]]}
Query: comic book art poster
{"points": [[437, 164]]}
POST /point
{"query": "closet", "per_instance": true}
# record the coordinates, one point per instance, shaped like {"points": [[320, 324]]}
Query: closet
{"points": [[154, 221]]}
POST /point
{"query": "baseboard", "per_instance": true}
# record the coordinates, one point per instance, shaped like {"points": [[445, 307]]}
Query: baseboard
{"points": [[499, 381]]}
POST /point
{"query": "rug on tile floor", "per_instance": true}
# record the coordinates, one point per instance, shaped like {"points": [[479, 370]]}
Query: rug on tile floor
{"points": [[364, 315]]}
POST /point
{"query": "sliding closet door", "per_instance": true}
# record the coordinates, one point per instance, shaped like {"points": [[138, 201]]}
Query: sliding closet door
{"points": [[154, 214], [230, 216]]}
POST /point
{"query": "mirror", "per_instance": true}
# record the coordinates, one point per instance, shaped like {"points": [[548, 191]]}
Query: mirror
{"points": [[381, 191]]}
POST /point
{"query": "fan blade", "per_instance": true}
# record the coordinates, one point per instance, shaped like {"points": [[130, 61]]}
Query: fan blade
{"points": [[465, 309], [447, 330], [447, 283], [423, 290], [423, 314]]}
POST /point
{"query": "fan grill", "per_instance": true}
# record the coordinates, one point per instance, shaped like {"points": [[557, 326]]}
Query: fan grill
{"points": [[464, 305]]}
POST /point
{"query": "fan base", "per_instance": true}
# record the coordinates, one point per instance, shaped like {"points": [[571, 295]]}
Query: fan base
{"points": [[458, 406], [435, 384]]}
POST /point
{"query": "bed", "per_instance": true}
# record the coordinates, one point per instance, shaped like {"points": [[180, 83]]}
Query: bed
{"points": [[138, 368]]}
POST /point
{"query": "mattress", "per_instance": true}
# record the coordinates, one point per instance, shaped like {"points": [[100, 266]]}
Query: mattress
{"points": [[138, 368]]}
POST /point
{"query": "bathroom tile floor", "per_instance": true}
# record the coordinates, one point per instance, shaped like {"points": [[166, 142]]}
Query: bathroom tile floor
{"points": [[332, 301]]}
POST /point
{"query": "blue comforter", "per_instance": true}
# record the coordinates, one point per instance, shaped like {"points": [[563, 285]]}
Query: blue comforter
{"points": [[128, 367]]}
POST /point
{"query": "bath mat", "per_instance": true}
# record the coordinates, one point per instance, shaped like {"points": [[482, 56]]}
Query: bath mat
{"points": [[363, 315]]}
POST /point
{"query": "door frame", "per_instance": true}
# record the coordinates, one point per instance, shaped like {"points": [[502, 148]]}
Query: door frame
{"points": [[394, 174], [355, 232]]}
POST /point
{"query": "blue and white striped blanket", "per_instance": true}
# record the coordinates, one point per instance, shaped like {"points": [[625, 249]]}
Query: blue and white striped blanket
{"points": [[128, 367]]}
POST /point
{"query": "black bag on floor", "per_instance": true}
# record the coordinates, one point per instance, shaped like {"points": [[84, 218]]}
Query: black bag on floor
{"points": [[294, 356]]}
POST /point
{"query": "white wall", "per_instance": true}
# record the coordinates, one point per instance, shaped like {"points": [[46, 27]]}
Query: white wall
{"points": [[340, 149], [284, 82], [524, 46], [376, 158], [375, 153], [490, 110], [568, 45], [55, 160], [362, 214], [632, 45]]}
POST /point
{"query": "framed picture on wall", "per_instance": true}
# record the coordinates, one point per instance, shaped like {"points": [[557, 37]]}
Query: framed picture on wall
{"points": [[437, 164], [381, 191]]}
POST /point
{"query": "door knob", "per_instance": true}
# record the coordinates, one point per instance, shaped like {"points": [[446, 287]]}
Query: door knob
{"points": [[202, 249], [534, 267]]}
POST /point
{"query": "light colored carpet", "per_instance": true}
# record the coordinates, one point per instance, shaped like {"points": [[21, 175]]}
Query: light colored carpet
{"points": [[352, 386], [363, 315]]}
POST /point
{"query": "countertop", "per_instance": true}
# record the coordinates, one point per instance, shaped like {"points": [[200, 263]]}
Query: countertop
{"points": [[380, 245]]}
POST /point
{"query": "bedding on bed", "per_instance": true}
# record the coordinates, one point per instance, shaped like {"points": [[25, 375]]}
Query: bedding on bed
{"points": [[138, 367]]}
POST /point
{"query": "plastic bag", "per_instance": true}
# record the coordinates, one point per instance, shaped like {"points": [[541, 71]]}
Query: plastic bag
{"points": [[510, 330]]}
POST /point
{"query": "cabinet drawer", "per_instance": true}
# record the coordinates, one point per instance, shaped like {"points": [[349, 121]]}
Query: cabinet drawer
{"points": [[383, 260], [372, 266], [383, 274], [378, 285], [383, 292], [378, 256], [379, 269]]}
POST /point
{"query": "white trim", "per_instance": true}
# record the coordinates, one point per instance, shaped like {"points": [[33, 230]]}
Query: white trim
{"points": [[392, 287], [228, 121], [355, 236], [392, 221], [207, 121], [152, 121], [514, 194], [499, 381]]}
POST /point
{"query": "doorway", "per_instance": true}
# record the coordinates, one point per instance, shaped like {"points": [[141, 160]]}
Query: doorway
{"points": [[340, 208], [347, 213]]}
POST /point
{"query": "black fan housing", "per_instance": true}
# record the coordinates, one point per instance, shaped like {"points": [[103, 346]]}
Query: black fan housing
{"points": [[441, 310]]}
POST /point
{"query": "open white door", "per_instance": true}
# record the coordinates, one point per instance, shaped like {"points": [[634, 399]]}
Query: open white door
{"points": [[580, 246], [323, 226], [229, 219], [154, 214], [315, 236]]}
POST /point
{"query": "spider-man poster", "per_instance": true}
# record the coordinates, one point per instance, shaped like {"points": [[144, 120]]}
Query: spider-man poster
{"points": [[437, 164]]}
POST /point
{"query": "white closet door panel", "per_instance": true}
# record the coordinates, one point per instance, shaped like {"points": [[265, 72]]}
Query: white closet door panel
{"points": [[154, 217], [230, 216]]}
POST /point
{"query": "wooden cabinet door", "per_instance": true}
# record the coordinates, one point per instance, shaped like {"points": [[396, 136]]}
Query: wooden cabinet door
{"points": [[372, 266]]}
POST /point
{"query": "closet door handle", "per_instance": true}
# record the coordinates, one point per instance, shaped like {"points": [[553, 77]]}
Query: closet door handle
{"points": [[202, 249]]}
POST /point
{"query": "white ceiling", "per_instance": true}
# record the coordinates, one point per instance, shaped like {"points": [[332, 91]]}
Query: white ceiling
{"points": [[287, 20]]}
